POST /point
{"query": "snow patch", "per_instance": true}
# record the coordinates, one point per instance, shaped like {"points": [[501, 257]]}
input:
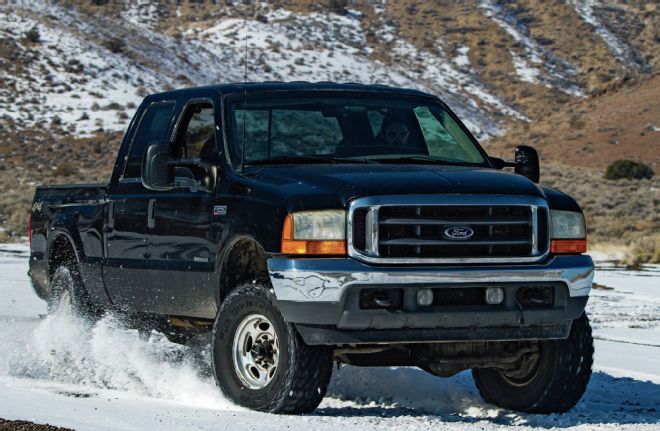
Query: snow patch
{"points": [[625, 53], [462, 59], [141, 12], [558, 73], [69, 81], [525, 72]]}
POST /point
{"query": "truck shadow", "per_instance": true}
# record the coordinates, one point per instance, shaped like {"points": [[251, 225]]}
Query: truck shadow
{"points": [[389, 393]]}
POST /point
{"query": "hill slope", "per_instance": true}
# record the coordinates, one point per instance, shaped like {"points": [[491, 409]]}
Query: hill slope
{"points": [[576, 79]]}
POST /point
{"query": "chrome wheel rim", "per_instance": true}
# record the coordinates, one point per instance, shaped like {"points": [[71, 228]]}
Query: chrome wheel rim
{"points": [[255, 351], [523, 375]]}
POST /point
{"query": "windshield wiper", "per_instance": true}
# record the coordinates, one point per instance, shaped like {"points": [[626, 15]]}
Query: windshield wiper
{"points": [[420, 159], [301, 160]]}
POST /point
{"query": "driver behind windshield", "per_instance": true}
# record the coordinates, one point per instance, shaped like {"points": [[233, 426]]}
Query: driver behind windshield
{"points": [[394, 132]]}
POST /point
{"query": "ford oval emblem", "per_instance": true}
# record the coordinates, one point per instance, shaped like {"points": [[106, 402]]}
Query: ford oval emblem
{"points": [[458, 233]]}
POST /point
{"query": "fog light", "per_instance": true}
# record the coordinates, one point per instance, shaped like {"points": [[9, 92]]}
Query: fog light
{"points": [[494, 295], [424, 297]]}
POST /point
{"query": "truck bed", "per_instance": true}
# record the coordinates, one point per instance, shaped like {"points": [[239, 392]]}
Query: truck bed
{"points": [[76, 210], [69, 193]]}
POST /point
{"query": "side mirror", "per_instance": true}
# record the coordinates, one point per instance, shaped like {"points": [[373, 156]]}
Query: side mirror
{"points": [[156, 174], [501, 163], [527, 163], [161, 172]]}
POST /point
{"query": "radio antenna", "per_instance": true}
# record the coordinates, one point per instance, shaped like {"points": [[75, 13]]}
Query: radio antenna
{"points": [[245, 75]]}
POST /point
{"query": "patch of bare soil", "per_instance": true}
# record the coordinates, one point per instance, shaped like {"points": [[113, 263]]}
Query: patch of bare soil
{"points": [[622, 123], [6, 425]]}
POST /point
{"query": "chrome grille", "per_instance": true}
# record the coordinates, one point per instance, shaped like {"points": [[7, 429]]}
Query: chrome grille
{"points": [[413, 229]]}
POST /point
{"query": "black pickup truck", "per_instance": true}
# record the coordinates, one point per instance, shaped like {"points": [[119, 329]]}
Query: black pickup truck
{"points": [[299, 224]]}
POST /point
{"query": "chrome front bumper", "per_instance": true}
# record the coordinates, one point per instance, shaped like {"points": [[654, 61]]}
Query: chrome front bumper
{"points": [[327, 280]]}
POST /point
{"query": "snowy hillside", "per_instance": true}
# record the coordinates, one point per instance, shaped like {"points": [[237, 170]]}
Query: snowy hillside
{"points": [[86, 71], [77, 70], [578, 80]]}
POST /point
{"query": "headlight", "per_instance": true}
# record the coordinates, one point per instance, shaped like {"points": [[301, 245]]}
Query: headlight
{"points": [[319, 225], [315, 233], [567, 225]]}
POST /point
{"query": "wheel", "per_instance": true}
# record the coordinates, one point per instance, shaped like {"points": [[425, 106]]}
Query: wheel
{"points": [[260, 361], [550, 381], [68, 295]]}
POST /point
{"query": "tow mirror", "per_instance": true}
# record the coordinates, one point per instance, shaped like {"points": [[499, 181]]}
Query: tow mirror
{"points": [[527, 163], [161, 172], [156, 174]]}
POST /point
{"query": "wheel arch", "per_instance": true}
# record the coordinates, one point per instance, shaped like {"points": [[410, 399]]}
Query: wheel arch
{"points": [[243, 260], [61, 249]]}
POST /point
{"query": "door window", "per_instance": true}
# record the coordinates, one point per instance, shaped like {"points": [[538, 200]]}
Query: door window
{"points": [[197, 138], [153, 127]]}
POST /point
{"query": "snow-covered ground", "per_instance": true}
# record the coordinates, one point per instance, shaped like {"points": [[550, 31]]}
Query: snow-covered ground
{"points": [[59, 371]]}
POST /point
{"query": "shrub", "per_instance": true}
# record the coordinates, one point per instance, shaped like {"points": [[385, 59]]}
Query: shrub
{"points": [[628, 169], [338, 6], [645, 250], [115, 45], [64, 169], [33, 35], [114, 106]]}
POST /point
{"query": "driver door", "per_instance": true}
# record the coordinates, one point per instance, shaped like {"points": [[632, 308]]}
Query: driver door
{"points": [[125, 272], [184, 232]]}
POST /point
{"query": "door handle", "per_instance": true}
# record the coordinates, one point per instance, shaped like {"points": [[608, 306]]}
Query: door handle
{"points": [[151, 217], [111, 215]]}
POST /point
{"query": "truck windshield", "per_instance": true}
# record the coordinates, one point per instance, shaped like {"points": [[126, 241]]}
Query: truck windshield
{"points": [[336, 128]]}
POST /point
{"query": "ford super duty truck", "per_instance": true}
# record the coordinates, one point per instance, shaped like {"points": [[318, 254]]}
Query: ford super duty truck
{"points": [[302, 224]]}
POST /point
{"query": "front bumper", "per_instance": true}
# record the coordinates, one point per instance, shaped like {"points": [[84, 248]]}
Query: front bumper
{"points": [[321, 297]]}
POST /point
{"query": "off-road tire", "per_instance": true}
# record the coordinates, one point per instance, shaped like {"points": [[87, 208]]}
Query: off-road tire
{"points": [[303, 372], [67, 289], [559, 381]]}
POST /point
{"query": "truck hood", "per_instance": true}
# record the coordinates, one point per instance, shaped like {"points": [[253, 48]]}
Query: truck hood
{"points": [[343, 182]]}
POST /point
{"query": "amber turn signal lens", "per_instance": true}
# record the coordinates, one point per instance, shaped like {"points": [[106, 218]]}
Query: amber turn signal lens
{"points": [[568, 246], [292, 246]]}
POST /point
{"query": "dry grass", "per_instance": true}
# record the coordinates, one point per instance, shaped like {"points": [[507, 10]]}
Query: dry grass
{"points": [[620, 124], [623, 213], [646, 250]]}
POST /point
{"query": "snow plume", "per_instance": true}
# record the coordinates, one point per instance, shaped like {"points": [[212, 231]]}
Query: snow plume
{"points": [[107, 355]]}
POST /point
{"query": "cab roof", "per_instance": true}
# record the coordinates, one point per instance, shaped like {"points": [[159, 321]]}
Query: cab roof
{"points": [[231, 88]]}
